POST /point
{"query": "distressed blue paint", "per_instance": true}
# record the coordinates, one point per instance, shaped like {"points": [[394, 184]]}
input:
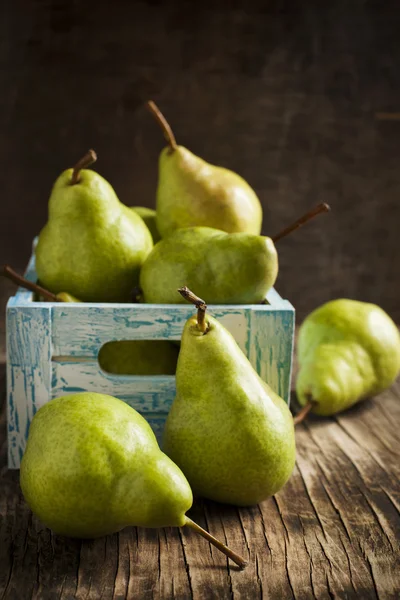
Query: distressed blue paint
{"points": [[37, 332], [28, 369]]}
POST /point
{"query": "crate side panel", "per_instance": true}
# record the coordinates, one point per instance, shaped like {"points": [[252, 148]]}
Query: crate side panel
{"points": [[28, 334], [157, 423], [237, 322], [271, 349], [143, 393], [82, 330], [28, 373]]}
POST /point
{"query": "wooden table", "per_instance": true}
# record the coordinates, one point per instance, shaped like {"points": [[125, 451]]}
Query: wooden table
{"points": [[332, 532]]}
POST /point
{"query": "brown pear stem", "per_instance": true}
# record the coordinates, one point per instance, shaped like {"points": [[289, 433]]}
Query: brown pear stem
{"points": [[162, 121], [301, 415], [320, 208], [29, 285], [87, 160], [199, 304], [239, 560]]}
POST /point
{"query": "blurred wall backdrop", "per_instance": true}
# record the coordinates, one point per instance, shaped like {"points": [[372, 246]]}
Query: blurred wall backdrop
{"points": [[300, 97]]}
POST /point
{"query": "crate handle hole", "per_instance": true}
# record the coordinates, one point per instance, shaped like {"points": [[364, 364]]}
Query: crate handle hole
{"points": [[139, 357]]}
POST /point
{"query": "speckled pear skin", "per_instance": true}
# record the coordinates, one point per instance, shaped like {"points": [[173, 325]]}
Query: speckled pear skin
{"points": [[237, 268], [347, 350], [139, 357], [92, 245], [149, 217], [92, 466], [231, 435], [192, 192]]}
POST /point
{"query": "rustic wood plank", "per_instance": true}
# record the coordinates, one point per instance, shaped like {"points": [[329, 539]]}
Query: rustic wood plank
{"points": [[333, 531], [342, 463]]}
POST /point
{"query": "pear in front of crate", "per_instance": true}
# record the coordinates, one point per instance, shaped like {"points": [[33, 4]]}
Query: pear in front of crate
{"points": [[92, 245], [92, 466], [347, 351], [228, 431]]}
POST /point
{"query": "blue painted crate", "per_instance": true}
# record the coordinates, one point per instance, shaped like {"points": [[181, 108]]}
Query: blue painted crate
{"points": [[52, 350]]}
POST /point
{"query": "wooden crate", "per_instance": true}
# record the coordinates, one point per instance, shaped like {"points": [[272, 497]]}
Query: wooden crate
{"points": [[52, 350]]}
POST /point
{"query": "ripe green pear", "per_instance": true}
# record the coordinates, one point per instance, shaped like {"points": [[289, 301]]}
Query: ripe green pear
{"points": [[236, 268], [347, 350], [92, 466], [228, 431], [192, 192], [139, 357], [92, 245], [65, 297], [149, 217]]}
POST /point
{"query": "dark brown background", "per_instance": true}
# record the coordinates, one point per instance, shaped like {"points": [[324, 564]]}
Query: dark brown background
{"points": [[288, 93]]}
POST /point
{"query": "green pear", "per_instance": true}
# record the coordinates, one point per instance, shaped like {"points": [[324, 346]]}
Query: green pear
{"points": [[139, 357], [65, 297], [228, 431], [347, 351], [92, 466], [149, 217], [92, 245], [192, 192], [226, 268]]}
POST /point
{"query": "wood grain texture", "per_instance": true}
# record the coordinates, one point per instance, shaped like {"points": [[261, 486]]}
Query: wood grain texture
{"points": [[285, 92], [332, 532]]}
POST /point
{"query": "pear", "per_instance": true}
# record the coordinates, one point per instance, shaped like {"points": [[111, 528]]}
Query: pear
{"points": [[92, 245], [228, 431], [347, 350], [192, 192], [149, 217], [123, 357], [226, 268], [139, 357], [92, 466], [65, 297]]}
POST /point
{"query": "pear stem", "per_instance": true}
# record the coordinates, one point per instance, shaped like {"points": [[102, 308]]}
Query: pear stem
{"points": [[301, 415], [239, 560], [199, 304], [162, 121], [29, 285], [87, 160], [317, 210]]}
